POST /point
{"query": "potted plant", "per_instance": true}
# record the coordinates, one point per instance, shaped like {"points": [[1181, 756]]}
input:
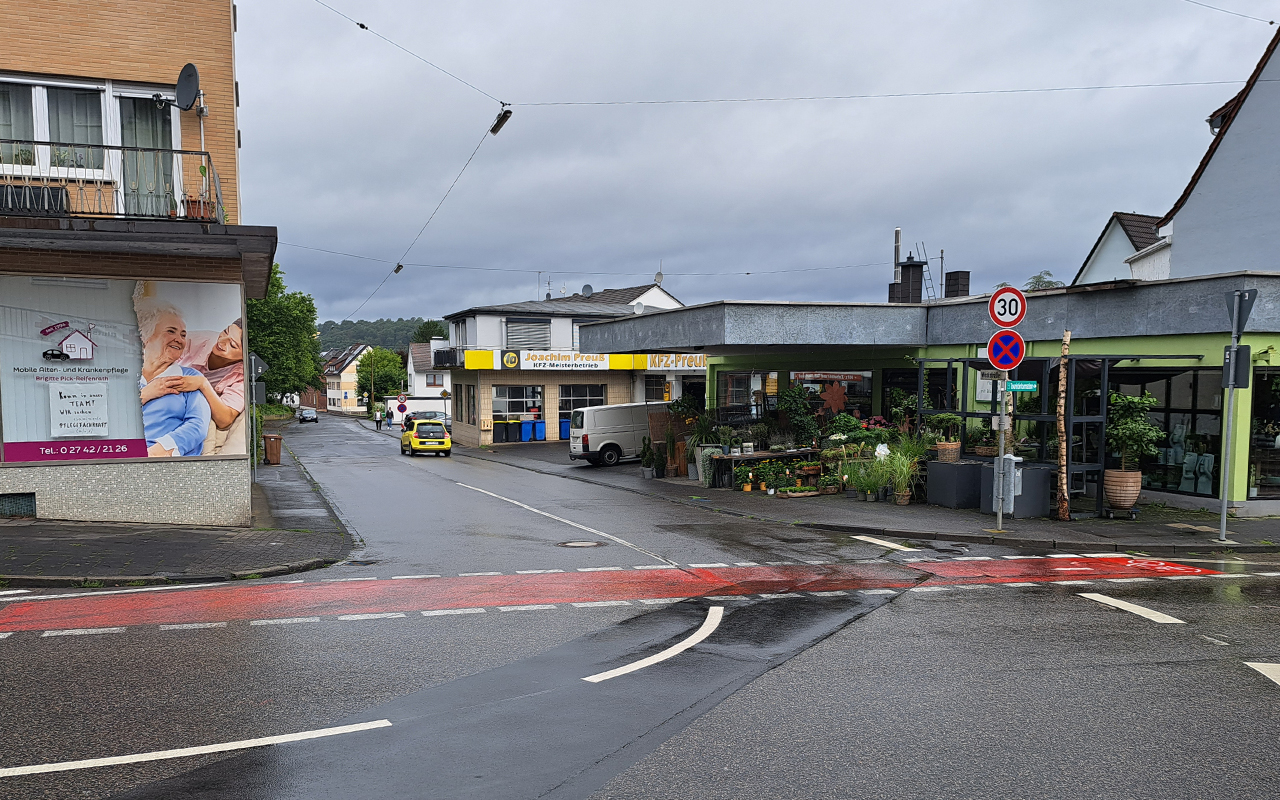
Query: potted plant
{"points": [[902, 469], [646, 459], [724, 435], [948, 425], [983, 440], [829, 484], [867, 478], [735, 446], [1131, 433]]}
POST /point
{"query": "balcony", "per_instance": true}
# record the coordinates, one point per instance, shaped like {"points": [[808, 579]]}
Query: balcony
{"points": [[58, 179], [447, 357]]}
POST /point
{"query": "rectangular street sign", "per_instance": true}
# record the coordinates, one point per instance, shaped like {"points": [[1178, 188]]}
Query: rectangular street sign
{"points": [[989, 375], [1021, 386], [1242, 367]]}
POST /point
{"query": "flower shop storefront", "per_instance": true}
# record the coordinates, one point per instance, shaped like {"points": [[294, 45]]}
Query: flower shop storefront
{"points": [[1159, 343]]}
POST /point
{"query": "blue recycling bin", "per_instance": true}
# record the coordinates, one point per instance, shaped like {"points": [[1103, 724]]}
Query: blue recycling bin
{"points": [[540, 430], [526, 430], [564, 429]]}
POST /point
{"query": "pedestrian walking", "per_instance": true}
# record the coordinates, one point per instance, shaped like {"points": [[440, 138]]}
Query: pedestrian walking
{"points": [[377, 419], [390, 418]]}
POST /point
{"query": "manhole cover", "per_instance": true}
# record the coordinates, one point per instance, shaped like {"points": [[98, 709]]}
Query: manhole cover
{"points": [[580, 544]]}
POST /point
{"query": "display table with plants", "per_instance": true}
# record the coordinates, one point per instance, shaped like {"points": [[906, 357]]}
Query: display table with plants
{"points": [[723, 466]]}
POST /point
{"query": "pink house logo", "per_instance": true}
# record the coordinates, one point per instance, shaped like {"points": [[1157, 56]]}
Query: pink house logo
{"points": [[77, 346]]}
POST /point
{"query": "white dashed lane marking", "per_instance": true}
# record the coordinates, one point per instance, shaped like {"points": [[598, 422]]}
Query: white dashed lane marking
{"points": [[382, 615], [444, 611], [82, 631], [193, 626], [883, 543], [1272, 671], [285, 621], [531, 607], [1132, 608], [407, 577]]}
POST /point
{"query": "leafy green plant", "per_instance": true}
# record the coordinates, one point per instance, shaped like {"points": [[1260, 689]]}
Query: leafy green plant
{"points": [[724, 434], [913, 445], [902, 470], [1129, 428], [947, 424], [869, 476], [671, 442], [829, 479], [760, 433], [646, 453], [794, 402]]}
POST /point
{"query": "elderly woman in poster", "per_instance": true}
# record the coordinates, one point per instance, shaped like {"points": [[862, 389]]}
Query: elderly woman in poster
{"points": [[174, 422]]}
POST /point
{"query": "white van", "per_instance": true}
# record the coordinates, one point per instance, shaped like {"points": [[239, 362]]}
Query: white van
{"points": [[607, 434]]}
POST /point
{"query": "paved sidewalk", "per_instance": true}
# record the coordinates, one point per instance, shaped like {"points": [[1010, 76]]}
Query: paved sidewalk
{"points": [[293, 529], [1159, 530]]}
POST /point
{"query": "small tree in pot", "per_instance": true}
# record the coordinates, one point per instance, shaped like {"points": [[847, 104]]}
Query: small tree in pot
{"points": [[949, 426], [646, 458], [1131, 433]]}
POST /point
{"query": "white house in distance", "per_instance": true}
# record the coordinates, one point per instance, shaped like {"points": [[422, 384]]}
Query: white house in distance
{"points": [[339, 370], [429, 388], [1225, 219], [1123, 235]]}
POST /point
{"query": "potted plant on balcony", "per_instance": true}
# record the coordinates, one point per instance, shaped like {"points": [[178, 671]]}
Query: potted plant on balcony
{"points": [[1131, 433], [948, 425]]}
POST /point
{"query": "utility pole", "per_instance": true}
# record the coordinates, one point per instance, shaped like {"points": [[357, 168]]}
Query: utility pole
{"points": [[1064, 495]]}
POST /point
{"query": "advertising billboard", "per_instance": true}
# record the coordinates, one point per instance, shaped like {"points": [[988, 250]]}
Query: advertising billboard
{"points": [[95, 368]]}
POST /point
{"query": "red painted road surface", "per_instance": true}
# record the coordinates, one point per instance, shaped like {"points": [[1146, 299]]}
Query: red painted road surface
{"points": [[267, 601]]}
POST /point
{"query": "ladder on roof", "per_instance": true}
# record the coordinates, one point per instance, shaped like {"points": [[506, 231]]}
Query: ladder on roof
{"points": [[930, 292]]}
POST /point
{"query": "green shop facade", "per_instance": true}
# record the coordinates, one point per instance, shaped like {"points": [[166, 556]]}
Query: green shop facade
{"points": [[1162, 337]]}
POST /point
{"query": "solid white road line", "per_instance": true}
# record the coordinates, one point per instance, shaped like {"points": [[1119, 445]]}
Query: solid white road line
{"points": [[409, 577], [442, 612], [1268, 574], [182, 752], [115, 591], [382, 615], [15, 591], [193, 626], [1272, 671], [82, 631], [890, 545], [580, 527], [285, 621], [714, 615], [1132, 608]]}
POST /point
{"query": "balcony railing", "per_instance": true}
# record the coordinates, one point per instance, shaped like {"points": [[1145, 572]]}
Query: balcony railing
{"points": [[60, 179], [447, 357]]}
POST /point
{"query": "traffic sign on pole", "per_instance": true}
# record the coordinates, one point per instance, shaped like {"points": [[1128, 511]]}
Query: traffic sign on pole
{"points": [[1021, 386], [1007, 306], [401, 398], [1006, 349]]}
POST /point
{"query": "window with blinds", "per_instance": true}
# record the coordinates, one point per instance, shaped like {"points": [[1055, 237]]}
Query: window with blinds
{"points": [[528, 334]]}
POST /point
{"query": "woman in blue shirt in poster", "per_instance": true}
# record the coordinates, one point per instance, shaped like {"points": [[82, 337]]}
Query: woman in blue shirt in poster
{"points": [[174, 422]]}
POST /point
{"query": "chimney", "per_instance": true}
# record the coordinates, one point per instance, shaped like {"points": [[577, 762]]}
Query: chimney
{"points": [[897, 254], [910, 289], [956, 284]]}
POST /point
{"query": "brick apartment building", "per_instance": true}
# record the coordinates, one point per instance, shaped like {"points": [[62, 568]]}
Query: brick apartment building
{"points": [[123, 266]]}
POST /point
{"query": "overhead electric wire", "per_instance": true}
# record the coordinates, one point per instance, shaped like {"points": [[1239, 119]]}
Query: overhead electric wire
{"points": [[889, 95], [401, 47], [1228, 11]]}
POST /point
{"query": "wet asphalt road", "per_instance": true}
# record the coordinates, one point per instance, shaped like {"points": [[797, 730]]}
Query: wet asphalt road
{"points": [[989, 690]]}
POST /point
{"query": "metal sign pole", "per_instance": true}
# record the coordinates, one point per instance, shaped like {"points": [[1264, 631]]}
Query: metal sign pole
{"points": [[998, 472], [253, 416], [1227, 430]]}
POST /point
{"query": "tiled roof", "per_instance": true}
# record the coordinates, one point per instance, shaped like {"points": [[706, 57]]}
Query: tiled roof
{"points": [[335, 361], [1229, 111], [604, 303], [1140, 228], [420, 354]]}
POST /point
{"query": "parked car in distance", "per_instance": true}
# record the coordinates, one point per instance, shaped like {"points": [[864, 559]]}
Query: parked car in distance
{"points": [[308, 415], [439, 416], [607, 434], [425, 436]]}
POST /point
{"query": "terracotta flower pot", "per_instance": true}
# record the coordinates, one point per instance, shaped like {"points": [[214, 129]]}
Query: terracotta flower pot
{"points": [[1122, 487], [948, 451]]}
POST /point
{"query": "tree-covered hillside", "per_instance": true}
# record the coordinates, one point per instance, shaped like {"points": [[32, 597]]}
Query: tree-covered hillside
{"points": [[393, 334]]}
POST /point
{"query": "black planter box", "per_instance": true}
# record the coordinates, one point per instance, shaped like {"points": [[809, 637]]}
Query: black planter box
{"points": [[955, 484]]}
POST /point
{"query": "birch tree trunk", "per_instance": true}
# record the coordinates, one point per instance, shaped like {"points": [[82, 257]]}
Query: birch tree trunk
{"points": [[1064, 435]]}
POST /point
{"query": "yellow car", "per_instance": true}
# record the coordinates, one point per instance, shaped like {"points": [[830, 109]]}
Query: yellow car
{"points": [[425, 436]]}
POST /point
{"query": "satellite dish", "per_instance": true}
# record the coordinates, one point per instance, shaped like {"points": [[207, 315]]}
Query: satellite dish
{"points": [[587, 291], [658, 278], [188, 87], [638, 308]]}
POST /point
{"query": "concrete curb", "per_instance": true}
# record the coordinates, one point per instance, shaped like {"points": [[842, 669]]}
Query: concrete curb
{"points": [[102, 581], [941, 536]]}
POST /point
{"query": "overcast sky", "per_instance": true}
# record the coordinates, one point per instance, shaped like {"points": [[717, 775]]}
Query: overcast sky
{"points": [[349, 143]]}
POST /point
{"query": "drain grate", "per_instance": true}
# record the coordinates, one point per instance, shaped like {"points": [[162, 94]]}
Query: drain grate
{"points": [[580, 544], [361, 562]]}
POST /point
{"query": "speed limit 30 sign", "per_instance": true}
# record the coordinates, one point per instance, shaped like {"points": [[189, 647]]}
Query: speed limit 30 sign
{"points": [[1007, 307]]}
